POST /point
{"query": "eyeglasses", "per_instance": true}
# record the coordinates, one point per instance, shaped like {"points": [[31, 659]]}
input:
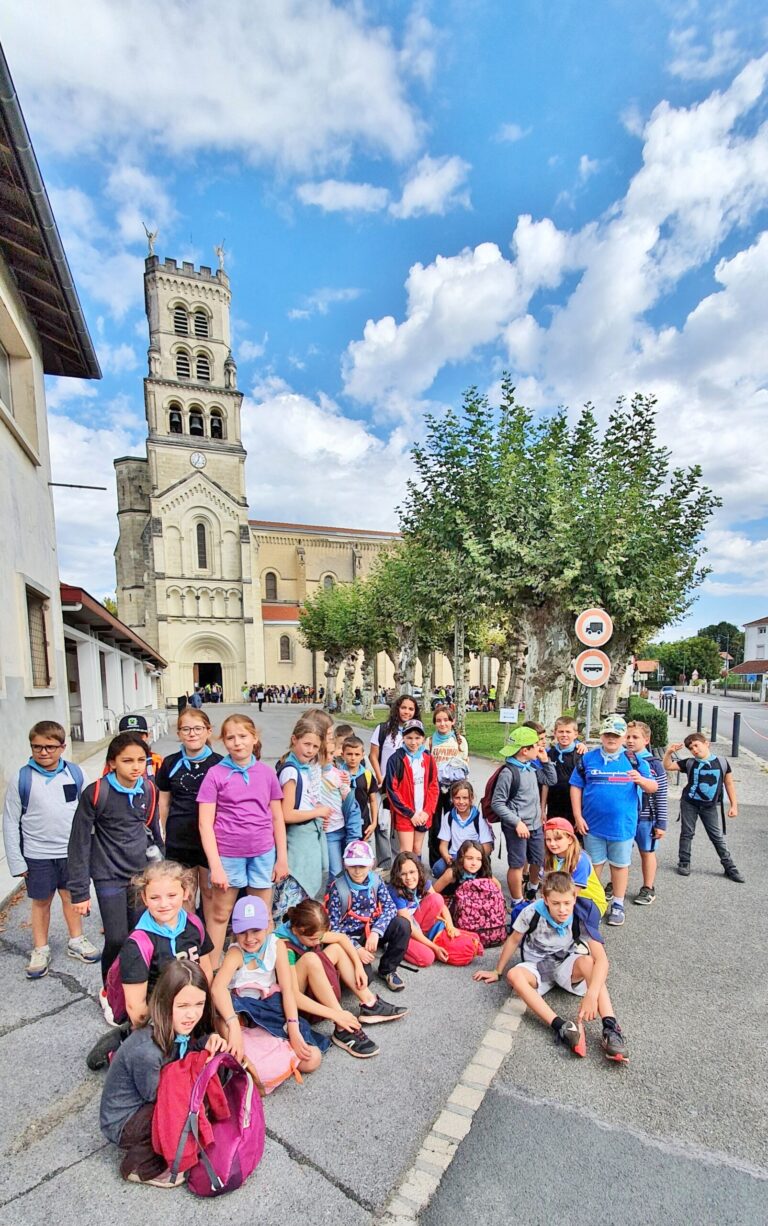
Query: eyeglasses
{"points": [[46, 748], [192, 728]]}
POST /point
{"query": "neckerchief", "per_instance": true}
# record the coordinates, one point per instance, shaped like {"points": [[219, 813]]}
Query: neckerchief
{"points": [[185, 761], [284, 932], [238, 768], [695, 790], [611, 757], [521, 766], [292, 760], [182, 1042], [364, 886], [465, 876], [560, 929], [258, 956], [136, 790], [643, 753], [562, 750], [474, 813], [439, 738], [47, 775], [415, 754], [169, 931]]}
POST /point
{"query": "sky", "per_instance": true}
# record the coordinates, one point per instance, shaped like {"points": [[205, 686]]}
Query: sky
{"points": [[413, 198]]}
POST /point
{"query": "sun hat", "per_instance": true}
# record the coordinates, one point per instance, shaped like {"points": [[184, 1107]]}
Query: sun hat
{"points": [[133, 723], [358, 852], [519, 738], [613, 725], [413, 725], [250, 912]]}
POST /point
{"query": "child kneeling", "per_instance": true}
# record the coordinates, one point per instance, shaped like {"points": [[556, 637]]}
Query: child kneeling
{"points": [[548, 934]]}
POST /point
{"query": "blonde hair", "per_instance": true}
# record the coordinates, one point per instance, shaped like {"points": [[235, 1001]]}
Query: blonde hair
{"points": [[193, 713], [245, 721], [320, 723], [568, 861], [303, 727], [644, 728], [187, 877]]}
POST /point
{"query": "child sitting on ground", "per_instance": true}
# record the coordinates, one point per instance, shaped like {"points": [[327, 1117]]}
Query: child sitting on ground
{"points": [[477, 902], [549, 933], [361, 907], [462, 821], [706, 776], [422, 907], [563, 853], [652, 821]]}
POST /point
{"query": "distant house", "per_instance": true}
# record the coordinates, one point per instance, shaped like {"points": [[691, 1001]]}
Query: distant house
{"points": [[755, 640], [645, 669]]}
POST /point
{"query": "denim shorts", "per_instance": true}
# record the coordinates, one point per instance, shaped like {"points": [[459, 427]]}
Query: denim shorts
{"points": [[522, 851], [618, 852], [45, 877], [253, 871], [644, 835]]}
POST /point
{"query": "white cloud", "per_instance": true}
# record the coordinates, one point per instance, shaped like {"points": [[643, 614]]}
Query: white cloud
{"points": [[59, 390], [511, 132], [337, 196], [139, 198], [741, 561], [696, 61], [249, 351], [418, 53], [434, 186], [587, 167], [102, 266], [116, 359], [320, 302]]}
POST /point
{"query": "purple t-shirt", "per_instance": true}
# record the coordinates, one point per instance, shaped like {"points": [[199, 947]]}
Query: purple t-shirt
{"points": [[243, 823]]}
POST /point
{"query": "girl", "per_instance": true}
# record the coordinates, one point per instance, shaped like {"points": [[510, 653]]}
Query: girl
{"points": [[478, 903], [385, 739], [451, 753], [411, 786], [114, 829], [463, 821], [178, 782], [255, 979], [345, 821], [241, 826], [564, 854], [303, 815], [472, 863], [180, 1018], [418, 903]]}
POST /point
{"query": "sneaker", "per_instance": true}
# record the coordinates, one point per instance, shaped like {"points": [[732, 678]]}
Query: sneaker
{"points": [[571, 1034], [381, 1011], [106, 1046], [531, 892], [614, 1044], [615, 915], [39, 961], [394, 982], [356, 1042], [106, 1009], [646, 896], [609, 892], [733, 874], [81, 947], [684, 870], [160, 1181]]}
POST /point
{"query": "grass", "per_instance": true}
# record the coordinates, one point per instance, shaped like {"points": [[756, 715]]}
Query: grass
{"points": [[485, 735]]}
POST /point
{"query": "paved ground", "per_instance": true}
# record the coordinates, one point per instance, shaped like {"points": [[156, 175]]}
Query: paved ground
{"points": [[679, 1134], [754, 719]]}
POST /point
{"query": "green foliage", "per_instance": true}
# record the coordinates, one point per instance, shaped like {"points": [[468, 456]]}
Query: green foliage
{"points": [[640, 709], [681, 658], [110, 605], [728, 638]]}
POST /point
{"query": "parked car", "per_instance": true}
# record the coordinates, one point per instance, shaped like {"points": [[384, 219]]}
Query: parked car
{"points": [[668, 691]]}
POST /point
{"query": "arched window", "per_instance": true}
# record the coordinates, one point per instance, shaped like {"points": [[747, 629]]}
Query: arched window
{"points": [[202, 546], [201, 324], [203, 369], [329, 582], [183, 370], [196, 423], [175, 422], [180, 321], [217, 424], [270, 585], [285, 648]]}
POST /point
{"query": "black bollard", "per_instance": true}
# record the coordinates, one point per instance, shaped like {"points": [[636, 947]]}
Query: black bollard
{"points": [[690, 712], [675, 709], [736, 734], [700, 717], [713, 732]]}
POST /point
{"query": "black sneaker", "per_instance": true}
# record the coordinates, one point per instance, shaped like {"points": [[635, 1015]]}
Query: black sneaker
{"points": [[356, 1042], [571, 1034], [684, 870], [381, 1011], [107, 1045], [733, 874], [614, 1044], [530, 893], [608, 892], [646, 896]]}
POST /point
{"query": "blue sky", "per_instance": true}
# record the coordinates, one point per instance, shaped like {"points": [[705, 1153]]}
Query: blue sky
{"points": [[415, 197]]}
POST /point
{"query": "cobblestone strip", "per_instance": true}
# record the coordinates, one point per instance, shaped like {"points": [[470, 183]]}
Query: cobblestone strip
{"points": [[455, 1120]]}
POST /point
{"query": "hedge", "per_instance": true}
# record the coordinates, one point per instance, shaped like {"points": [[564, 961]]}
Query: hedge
{"points": [[640, 709]]}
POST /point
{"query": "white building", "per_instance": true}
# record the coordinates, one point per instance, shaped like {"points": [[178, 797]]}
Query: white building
{"points": [[755, 640]]}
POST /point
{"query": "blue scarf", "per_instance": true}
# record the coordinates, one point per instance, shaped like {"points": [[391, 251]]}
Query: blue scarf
{"points": [[148, 924], [440, 738], [182, 1042], [284, 932], [611, 757], [47, 775], [292, 760], [364, 886], [136, 790], [560, 929], [643, 753], [468, 876], [562, 750], [258, 956], [703, 791], [237, 768], [474, 813], [415, 754], [521, 766], [185, 761]]}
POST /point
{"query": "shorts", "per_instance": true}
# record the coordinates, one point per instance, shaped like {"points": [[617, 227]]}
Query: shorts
{"points": [[404, 823], [45, 877], [253, 871], [522, 851], [190, 857], [618, 852], [644, 835], [561, 977]]}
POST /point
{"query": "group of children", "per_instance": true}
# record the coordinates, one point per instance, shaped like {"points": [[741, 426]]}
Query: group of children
{"points": [[286, 859]]}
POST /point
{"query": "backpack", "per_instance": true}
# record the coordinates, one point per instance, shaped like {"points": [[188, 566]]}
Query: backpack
{"points": [[478, 906], [113, 984], [273, 1060], [238, 1141], [485, 803], [461, 949], [279, 766], [25, 782], [575, 927], [345, 893], [287, 893]]}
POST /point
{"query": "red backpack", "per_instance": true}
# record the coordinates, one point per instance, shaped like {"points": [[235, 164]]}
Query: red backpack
{"points": [[478, 906], [490, 787], [113, 984]]}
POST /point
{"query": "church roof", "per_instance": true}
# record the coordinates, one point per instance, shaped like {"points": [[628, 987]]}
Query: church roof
{"points": [[274, 525], [78, 606]]}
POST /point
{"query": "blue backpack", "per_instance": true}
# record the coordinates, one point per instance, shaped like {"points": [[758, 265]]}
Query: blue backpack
{"points": [[25, 782]]}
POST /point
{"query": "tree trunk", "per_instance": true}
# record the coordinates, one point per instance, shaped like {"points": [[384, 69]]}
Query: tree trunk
{"points": [[350, 666], [547, 633], [332, 666], [620, 656], [369, 659], [425, 660], [405, 659], [502, 680], [459, 675]]}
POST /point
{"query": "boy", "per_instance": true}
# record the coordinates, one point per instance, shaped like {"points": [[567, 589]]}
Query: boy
{"points": [[652, 822], [360, 906], [39, 809], [706, 777], [549, 934], [556, 799], [363, 782], [517, 804], [604, 798], [341, 732], [139, 725]]}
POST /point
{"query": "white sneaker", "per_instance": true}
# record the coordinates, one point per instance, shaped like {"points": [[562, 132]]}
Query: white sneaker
{"points": [[81, 947], [106, 1009], [39, 961]]}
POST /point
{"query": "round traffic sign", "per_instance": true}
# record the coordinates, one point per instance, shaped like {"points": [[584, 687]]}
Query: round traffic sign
{"points": [[594, 627], [592, 667]]}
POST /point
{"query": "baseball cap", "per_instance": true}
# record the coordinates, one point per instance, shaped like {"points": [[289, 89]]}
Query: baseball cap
{"points": [[133, 723], [414, 725], [519, 738], [358, 852], [615, 725], [559, 823], [250, 912]]}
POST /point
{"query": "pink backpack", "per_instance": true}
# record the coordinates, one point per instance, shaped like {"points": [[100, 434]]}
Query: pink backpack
{"points": [[478, 906], [113, 984], [238, 1141], [273, 1060]]}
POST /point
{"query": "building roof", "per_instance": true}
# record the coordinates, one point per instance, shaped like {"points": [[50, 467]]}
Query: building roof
{"points": [[646, 666], [750, 666], [80, 608], [760, 621], [279, 612], [32, 249], [272, 525]]}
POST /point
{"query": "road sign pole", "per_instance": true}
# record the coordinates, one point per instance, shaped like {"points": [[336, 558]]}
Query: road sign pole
{"points": [[589, 712]]}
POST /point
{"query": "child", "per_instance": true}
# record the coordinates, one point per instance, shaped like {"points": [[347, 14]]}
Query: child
{"points": [[451, 753], [139, 725], [304, 816], [180, 1018], [462, 821], [477, 901], [241, 826], [340, 734], [422, 907], [363, 781], [385, 739], [564, 854], [605, 807], [344, 822], [360, 906], [556, 797], [548, 934], [178, 783], [517, 804], [39, 808], [115, 830], [412, 789], [652, 821], [255, 979], [706, 776]]}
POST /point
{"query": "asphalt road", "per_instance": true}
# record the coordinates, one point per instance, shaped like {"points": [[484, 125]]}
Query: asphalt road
{"points": [[754, 719]]}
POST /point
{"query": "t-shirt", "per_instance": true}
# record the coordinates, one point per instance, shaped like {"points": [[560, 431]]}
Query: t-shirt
{"points": [[243, 822], [43, 832], [454, 832], [133, 968], [182, 829], [559, 795], [310, 785], [590, 885], [417, 769], [610, 801], [385, 745], [409, 904], [333, 788], [704, 779], [545, 947]]}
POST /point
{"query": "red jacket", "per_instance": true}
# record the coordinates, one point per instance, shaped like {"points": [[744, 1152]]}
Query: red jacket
{"points": [[399, 784], [172, 1108]]}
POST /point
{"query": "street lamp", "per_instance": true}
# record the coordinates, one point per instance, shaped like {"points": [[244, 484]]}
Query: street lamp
{"points": [[726, 662]]}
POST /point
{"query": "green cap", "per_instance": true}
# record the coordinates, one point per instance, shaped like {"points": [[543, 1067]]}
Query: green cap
{"points": [[519, 738]]}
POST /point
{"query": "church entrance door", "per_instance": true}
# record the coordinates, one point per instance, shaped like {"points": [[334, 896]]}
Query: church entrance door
{"points": [[207, 674]]}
